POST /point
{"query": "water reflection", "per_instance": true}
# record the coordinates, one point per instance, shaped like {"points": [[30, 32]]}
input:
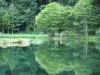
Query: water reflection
{"points": [[20, 42], [19, 61], [4, 43], [69, 58], [64, 57], [98, 46]]}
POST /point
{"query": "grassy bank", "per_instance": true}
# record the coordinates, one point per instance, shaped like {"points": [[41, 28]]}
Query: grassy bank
{"points": [[24, 36], [81, 38]]}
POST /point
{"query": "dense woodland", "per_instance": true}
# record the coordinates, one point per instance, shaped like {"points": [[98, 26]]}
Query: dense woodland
{"points": [[78, 16]]}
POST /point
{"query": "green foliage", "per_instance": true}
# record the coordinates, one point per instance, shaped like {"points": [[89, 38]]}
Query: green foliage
{"points": [[19, 12], [2, 12], [83, 17], [47, 18], [9, 17], [83, 8], [42, 7], [27, 10], [85, 14], [54, 17], [68, 15], [3, 3], [82, 11], [67, 2], [95, 23], [98, 32], [56, 59]]}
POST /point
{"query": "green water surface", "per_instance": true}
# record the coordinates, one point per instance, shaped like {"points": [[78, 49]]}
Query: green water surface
{"points": [[51, 57]]}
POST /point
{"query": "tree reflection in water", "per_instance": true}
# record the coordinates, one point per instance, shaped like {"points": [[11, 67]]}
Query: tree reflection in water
{"points": [[71, 57], [19, 61]]}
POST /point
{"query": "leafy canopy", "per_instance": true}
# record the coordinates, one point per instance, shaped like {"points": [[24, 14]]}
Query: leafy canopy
{"points": [[53, 17]]}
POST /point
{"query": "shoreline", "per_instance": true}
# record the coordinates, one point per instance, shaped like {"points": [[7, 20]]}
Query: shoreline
{"points": [[24, 36]]}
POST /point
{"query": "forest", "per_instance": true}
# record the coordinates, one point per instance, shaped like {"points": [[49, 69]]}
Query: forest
{"points": [[50, 16], [49, 37]]}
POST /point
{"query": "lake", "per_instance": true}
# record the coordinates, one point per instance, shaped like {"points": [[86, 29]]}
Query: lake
{"points": [[50, 57]]}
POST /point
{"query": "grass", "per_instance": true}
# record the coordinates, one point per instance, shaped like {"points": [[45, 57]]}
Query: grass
{"points": [[24, 36], [81, 38]]}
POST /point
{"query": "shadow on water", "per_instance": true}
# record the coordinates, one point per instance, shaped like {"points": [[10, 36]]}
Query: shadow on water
{"points": [[62, 57]]}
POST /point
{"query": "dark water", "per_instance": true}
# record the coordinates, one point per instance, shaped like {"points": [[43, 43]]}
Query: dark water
{"points": [[70, 57]]}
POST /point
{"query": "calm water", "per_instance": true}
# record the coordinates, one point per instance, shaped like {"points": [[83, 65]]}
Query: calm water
{"points": [[49, 57]]}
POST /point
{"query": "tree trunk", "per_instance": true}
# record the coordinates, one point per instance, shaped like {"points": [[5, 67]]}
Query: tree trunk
{"points": [[56, 33], [34, 29], [56, 44], [3, 30], [85, 49], [8, 30], [18, 30], [86, 29], [12, 31]]}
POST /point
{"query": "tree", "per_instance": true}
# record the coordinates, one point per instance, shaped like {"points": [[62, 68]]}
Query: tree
{"points": [[2, 12], [95, 23], [8, 18], [82, 12], [27, 10], [48, 18], [3, 3], [54, 17]]}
